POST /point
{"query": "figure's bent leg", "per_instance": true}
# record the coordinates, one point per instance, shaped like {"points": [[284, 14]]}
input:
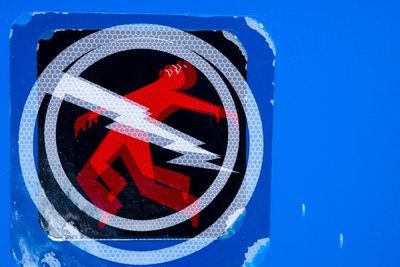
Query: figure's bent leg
{"points": [[114, 181], [98, 165], [140, 151], [173, 179], [169, 197], [95, 191]]}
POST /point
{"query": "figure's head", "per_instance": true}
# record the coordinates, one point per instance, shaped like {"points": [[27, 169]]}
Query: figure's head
{"points": [[190, 74], [179, 76]]}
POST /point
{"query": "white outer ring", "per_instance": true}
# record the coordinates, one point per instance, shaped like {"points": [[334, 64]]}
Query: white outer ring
{"points": [[101, 250]]}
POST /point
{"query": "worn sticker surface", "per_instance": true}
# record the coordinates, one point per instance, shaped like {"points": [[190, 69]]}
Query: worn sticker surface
{"points": [[140, 139]]}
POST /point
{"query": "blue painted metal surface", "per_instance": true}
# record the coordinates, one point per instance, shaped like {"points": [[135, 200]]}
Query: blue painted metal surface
{"points": [[336, 124]]}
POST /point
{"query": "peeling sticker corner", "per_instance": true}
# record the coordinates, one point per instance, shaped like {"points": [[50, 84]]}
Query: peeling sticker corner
{"points": [[259, 27], [233, 223], [256, 253], [233, 38], [47, 35], [60, 231]]}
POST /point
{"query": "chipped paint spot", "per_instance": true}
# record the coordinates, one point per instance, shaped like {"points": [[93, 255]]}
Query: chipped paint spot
{"points": [[233, 223], [47, 35], [272, 102], [51, 260], [23, 19], [233, 38], [259, 27], [341, 241], [256, 253], [303, 209]]}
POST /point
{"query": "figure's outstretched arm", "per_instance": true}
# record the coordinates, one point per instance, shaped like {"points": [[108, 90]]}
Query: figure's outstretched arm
{"points": [[91, 116], [192, 103]]}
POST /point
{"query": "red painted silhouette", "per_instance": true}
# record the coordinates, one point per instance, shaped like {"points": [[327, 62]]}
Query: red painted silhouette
{"points": [[171, 189]]}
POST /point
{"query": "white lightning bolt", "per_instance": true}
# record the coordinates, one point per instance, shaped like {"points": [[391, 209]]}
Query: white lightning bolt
{"points": [[133, 119]]}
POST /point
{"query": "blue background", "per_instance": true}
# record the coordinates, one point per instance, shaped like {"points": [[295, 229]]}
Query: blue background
{"points": [[336, 123]]}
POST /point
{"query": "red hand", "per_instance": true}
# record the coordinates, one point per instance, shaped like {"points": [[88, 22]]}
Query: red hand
{"points": [[80, 123]]}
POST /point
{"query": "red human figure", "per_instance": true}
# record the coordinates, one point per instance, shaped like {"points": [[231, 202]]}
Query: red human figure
{"points": [[169, 188]]}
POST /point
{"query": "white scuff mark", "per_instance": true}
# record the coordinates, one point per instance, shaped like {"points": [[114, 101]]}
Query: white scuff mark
{"points": [[51, 260], [341, 241], [14, 255], [233, 217], [253, 250], [10, 34], [39, 13], [272, 102], [54, 238], [233, 38], [259, 27], [28, 258], [63, 232], [303, 209], [60, 231], [64, 30], [17, 217], [42, 13]]}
